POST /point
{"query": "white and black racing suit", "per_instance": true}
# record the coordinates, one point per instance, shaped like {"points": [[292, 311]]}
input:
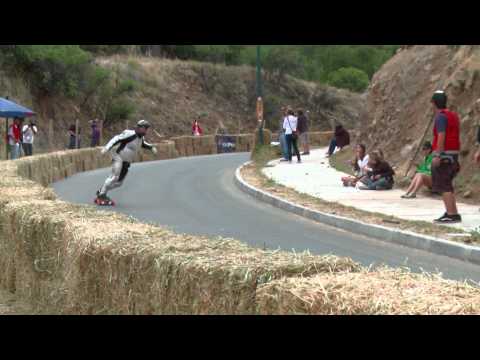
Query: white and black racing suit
{"points": [[128, 144]]}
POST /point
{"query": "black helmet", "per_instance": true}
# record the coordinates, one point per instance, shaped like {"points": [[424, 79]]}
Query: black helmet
{"points": [[143, 124], [440, 99]]}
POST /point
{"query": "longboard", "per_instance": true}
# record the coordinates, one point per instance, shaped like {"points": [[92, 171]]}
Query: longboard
{"points": [[104, 203]]}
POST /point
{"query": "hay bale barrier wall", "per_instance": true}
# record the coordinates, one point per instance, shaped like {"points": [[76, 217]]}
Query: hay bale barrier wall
{"points": [[65, 259], [384, 291]]}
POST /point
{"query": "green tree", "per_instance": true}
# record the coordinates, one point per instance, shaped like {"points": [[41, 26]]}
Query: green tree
{"points": [[349, 78], [282, 60], [53, 69]]}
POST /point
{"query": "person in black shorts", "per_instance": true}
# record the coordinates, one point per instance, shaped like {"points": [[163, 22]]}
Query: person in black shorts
{"points": [[446, 149]]}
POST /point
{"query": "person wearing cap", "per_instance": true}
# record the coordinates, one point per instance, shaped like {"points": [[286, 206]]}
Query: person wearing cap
{"points": [[446, 148], [124, 149], [423, 176]]}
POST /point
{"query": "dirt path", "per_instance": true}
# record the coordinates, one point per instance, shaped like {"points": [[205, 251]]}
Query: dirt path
{"points": [[10, 306]]}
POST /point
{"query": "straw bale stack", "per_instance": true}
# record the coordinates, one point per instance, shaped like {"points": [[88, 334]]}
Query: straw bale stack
{"points": [[204, 145], [208, 281], [87, 261], [382, 291], [245, 142], [320, 138]]}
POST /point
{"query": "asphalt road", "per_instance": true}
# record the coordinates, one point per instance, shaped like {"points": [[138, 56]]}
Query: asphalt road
{"points": [[198, 196]]}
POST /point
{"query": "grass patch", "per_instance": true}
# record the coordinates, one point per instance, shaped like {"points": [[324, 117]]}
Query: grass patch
{"points": [[263, 154], [341, 161]]}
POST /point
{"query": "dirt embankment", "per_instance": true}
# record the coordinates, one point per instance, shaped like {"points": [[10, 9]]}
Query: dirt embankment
{"points": [[399, 108]]}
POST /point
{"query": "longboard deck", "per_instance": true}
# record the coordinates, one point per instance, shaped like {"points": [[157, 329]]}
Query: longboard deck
{"points": [[104, 203]]}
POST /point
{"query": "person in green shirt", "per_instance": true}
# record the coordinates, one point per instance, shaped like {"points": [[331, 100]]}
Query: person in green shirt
{"points": [[423, 175]]}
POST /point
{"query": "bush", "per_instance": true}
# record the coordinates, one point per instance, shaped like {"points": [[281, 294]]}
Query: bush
{"points": [[325, 99], [53, 69], [106, 49], [126, 86], [350, 78], [119, 109]]}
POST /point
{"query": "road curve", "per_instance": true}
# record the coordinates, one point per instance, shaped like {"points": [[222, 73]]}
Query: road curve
{"points": [[198, 196]]}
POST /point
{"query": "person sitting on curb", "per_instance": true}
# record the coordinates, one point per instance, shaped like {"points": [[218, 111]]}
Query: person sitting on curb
{"points": [[340, 140], [359, 166], [380, 175], [423, 176]]}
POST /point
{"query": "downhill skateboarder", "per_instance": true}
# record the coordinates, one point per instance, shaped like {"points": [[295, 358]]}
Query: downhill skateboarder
{"points": [[127, 145]]}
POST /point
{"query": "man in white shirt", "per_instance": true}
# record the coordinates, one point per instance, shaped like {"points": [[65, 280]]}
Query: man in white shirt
{"points": [[291, 134], [29, 131]]}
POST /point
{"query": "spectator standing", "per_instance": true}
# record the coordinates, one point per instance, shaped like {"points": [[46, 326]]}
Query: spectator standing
{"points": [[95, 134], [281, 135], [290, 126], [14, 138], [446, 148], [196, 129], [303, 131], [73, 138], [29, 131]]}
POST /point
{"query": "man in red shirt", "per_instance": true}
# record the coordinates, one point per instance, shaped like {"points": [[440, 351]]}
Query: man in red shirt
{"points": [[446, 148]]}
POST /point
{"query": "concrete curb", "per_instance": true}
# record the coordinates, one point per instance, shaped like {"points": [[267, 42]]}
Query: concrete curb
{"points": [[421, 242]]}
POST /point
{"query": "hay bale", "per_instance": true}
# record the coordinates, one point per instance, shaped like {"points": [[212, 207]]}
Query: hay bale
{"points": [[320, 138], [245, 143], [206, 145], [184, 145], [189, 146], [180, 145], [108, 263], [381, 292], [166, 150], [209, 281], [34, 243]]}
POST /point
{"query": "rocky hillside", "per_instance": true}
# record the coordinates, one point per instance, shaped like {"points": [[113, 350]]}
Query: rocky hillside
{"points": [[399, 108], [172, 93]]}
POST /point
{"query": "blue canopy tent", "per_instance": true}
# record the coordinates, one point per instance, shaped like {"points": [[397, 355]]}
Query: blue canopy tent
{"points": [[8, 109]]}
